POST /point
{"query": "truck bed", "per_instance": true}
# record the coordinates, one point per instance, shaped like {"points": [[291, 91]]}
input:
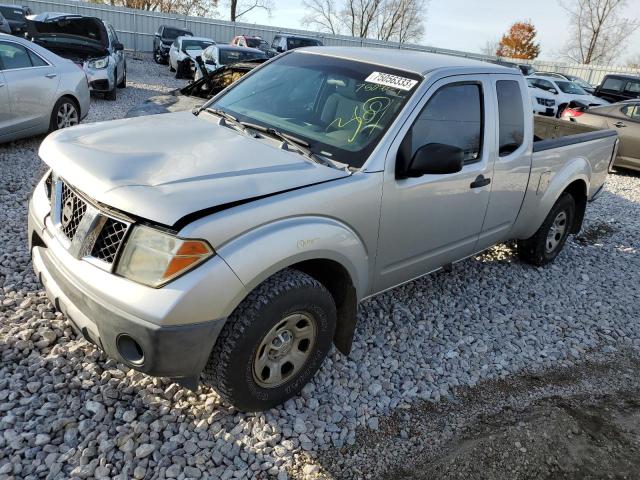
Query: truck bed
{"points": [[549, 132]]}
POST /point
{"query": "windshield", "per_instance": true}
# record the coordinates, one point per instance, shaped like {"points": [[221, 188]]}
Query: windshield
{"points": [[173, 33], [571, 88], [580, 82], [195, 44], [339, 107], [233, 56], [11, 13], [301, 42]]}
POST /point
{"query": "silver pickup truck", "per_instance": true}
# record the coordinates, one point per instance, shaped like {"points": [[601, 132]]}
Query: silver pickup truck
{"points": [[231, 245]]}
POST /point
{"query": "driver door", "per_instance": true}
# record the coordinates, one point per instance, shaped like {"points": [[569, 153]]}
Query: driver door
{"points": [[433, 219]]}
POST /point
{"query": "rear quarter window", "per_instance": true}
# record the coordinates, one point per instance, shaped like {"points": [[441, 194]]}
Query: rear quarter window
{"points": [[510, 115], [633, 87]]}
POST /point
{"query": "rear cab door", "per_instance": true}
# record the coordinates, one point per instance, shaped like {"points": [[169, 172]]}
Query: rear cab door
{"points": [[513, 136], [434, 219]]}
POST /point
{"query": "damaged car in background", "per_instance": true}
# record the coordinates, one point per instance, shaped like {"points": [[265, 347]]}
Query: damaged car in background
{"points": [[89, 42], [195, 93]]}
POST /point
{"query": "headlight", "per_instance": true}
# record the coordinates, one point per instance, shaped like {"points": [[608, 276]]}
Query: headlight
{"points": [[153, 258], [99, 63]]}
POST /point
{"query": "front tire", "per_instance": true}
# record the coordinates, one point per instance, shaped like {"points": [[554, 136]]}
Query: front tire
{"points": [[545, 245], [157, 57], [273, 343], [123, 82]]}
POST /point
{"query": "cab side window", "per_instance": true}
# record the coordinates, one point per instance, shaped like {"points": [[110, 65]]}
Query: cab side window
{"points": [[276, 42], [510, 115], [452, 116], [632, 87]]}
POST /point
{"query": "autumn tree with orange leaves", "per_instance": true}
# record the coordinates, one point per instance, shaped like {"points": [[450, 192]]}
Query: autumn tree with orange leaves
{"points": [[519, 42]]}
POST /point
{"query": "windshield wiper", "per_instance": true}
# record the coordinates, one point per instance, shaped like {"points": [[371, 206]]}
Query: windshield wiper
{"points": [[291, 141], [227, 118]]}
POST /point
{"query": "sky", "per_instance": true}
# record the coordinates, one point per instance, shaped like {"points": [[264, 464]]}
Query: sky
{"points": [[468, 24]]}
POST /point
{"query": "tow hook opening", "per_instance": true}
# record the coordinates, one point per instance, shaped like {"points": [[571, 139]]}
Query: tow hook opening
{"points": [[129, 349]]}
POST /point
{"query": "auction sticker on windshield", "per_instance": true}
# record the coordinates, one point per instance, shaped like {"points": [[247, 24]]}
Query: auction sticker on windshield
{"points": [[391, 80]]}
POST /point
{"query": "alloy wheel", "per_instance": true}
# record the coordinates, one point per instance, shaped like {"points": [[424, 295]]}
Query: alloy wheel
{"points": [[556, 232], [67, 115]]}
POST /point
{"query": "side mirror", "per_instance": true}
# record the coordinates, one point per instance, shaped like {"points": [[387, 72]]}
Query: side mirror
{"points": [[554, 91], [119, 46], [279, 49], [434, 159]]}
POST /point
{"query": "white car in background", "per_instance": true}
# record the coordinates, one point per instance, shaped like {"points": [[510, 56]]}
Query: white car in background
{"points": [[182, 52], [565, 92], [543, 102], [218, 56], [39, 91]]}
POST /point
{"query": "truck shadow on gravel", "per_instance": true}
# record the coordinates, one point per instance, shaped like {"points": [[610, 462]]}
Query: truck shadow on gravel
{"points": [[577, 423]]}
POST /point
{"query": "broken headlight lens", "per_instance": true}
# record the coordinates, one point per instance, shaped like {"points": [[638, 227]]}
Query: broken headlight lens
{"points": [[99, 63], [153, 258]]}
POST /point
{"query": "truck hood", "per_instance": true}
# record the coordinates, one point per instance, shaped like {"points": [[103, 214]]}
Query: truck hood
{"points": [[165, 167]]}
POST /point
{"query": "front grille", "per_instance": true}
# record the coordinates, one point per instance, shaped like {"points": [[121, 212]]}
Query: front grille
{"points": [[547, 102], [109, 241], [73, 209]]}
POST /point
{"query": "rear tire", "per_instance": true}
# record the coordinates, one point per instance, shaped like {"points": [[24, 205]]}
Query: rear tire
{"points": [[273, 343], [65, 113], [545, 245]]}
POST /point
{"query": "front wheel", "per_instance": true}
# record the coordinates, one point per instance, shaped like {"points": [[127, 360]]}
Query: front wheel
{"points": [[545, 245], [273, 343], [157, 57]]}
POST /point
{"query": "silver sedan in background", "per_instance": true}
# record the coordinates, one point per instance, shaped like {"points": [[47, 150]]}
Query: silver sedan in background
{"points": [[39, 91]]}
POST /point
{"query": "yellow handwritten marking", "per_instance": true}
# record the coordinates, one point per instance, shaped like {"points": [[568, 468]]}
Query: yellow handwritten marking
{"points": [[370, 110]]}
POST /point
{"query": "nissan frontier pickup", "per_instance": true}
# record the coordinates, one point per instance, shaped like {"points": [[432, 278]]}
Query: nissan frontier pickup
{"points": [[231, 245]]}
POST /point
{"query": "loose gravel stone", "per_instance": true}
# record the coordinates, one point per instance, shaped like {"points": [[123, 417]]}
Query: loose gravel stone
{"points": [[61, 399]]}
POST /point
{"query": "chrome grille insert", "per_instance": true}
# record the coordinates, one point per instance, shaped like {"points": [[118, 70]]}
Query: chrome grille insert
{"points": [[108, 244], [72, 209]]}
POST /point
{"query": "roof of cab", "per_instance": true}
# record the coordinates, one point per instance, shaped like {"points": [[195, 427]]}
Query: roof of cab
{"points": [[408, 60]]}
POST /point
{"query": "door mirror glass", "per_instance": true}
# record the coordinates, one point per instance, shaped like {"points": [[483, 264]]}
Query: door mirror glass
{"points": [[119, 47], [436, 158], [279, 49]]}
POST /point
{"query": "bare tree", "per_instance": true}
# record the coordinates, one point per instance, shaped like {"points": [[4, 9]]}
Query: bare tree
{"points": [[401, 20], [490, 47], [183, 7], [323, 16], [239, 8], [598, 30], [359, 16]]}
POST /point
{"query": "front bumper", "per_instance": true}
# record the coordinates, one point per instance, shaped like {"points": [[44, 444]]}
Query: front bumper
{"points": [[109, 310], [100, 80]]}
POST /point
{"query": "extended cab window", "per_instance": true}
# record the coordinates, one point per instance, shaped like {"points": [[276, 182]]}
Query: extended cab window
{"points": [[510, 115], [452, 116]]}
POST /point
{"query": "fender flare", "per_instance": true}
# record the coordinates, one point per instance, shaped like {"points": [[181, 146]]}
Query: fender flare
{"points": [[540, 198], [261, 252]]}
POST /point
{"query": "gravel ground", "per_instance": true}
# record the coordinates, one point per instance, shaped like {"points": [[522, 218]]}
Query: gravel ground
{"points": [[67, 411]]}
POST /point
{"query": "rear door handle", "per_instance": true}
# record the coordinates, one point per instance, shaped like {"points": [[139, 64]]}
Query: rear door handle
{"points": [[480, 181], [620, 124], [51, 75]]}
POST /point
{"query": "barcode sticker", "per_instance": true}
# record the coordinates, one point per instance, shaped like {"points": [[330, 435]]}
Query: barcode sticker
{"points": [[394, 81]]}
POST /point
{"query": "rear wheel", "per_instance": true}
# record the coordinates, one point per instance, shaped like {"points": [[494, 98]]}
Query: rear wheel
{"points": [[273, 343], [65, 114], [545, 245]]}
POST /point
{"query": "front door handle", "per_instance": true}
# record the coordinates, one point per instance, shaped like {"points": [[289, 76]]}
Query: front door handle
{"points": [[620, 124], [1, 84], [51, 75], [480, 181]]}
